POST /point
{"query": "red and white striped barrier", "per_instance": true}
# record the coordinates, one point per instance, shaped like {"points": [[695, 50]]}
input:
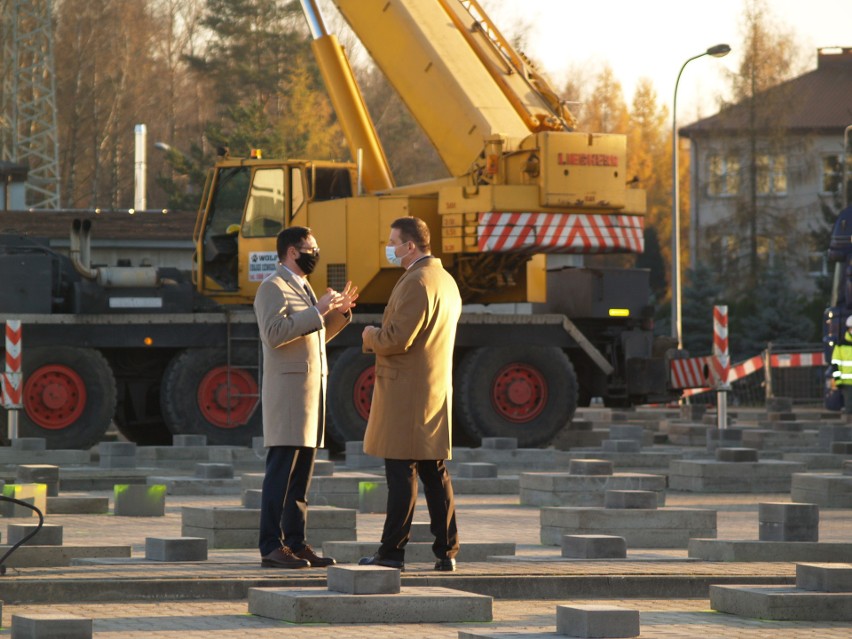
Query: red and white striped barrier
{"points": [[12, 383], [720, 363], [689, 372]]}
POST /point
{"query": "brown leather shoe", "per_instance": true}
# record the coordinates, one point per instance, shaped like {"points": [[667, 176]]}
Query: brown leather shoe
{"points": [[315, 560], [283, 558]]}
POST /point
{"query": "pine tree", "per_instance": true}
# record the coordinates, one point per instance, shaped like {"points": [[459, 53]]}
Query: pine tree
{"points": [[700, 295]]}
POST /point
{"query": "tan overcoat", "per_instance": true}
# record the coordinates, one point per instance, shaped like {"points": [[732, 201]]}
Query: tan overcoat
{"points": [[411, 413], [294, 361]]}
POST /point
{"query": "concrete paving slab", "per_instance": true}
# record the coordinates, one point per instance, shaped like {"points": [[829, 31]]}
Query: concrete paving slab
{"points": [[824, 577], [363, 580], [77, 505], [411, 605], [51, 626], [51, 556], [781, 603], [749, 550]]}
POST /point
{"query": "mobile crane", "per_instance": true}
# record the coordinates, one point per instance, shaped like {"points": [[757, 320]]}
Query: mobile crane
{"points": [[162, 355]]}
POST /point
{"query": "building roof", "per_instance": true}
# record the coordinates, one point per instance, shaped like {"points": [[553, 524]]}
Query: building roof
{"points": [[106, 225], [820, 101]]}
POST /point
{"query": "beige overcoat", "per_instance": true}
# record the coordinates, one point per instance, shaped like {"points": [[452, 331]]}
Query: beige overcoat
{"points": [[411, 413], [294, 362]]}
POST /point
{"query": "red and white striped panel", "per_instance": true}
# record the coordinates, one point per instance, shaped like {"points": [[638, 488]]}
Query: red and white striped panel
{"points": [[688, 372], [796, 360], [11, 390], [560, 232], [720, 363], [11, 386], [749, 366]]}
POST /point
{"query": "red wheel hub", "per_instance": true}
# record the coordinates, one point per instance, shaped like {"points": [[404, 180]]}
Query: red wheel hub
{"points": [[519, 392], [227, 397], [54, 396], [363, 392]]}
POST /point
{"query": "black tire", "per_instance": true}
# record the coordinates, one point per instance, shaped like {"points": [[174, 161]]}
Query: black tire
{"points": [[69, 397], [350, 389], [526, 392], [193, 396]]}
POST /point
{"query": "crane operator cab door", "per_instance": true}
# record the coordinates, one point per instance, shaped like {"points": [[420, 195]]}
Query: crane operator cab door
{"points": [[248, 207]]}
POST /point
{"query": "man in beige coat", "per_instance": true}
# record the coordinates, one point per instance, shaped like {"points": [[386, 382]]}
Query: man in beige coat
{"points": [[410, 418], [294, 326]]}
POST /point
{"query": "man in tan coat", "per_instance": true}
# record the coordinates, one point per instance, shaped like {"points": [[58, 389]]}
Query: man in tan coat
{"points": [[410, 418], [294, 326]]}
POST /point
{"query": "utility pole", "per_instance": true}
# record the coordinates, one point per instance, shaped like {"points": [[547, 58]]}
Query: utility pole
{"points": [[28, 131]]}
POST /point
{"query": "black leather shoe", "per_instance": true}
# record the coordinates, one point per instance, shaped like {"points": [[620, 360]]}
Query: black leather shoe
{"points": [[446, 564], [283, 558], [377, 560]]}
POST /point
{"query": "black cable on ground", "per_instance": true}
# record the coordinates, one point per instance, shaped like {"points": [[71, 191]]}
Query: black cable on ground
{"points": [[25, 539]]}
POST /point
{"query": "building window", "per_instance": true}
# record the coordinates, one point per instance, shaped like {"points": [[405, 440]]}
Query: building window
{"points": [[724, 174], [817, 264], [832, 173], [771, 177]]}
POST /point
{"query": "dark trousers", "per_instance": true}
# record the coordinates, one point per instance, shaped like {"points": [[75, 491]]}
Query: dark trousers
{"points": [[846, 389], [402, 496], [283, 502]]}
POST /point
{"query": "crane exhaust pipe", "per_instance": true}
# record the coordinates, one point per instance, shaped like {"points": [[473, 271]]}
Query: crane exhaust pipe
{"points": [[106, 276]]}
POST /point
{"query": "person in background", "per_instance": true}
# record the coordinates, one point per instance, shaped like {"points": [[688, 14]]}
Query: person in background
{"points": [[841, 365]]}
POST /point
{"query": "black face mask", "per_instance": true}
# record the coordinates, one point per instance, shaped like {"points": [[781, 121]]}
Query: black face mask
{"points": [[307, 262]]}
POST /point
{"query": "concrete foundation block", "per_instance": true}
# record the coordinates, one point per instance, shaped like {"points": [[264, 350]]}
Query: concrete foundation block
{"points": [[594, 547], [751, 550], [196, 485], [39, 474], [499, 443], [372, 496], [841, 448], [117, 461], [47, 626], [356, 458], [781, 603], [364, 580], [590, 467], [28, 443], [646, 499], [194, 440], [693, 412], [137, 500], [118, 449], [723, 438], [824, 577], [731, 454], [712, 476], [565, 489], [49, 535], [596, 621], [34, 494], [627, 431], [214, 471], [67, 505], [175, 549], [475, 470], [826, 490], [846, 467], [830, 433], [779, 521], [410, 605], [621, 446], [251, 498], [421, 531]]}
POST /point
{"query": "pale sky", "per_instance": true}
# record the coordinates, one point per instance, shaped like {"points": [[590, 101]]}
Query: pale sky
{"points": [[655, 37]]}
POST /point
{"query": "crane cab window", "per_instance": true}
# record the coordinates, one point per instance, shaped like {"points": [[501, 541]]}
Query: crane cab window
{"points": [[331, 183], [265, 208], [297, 191]]}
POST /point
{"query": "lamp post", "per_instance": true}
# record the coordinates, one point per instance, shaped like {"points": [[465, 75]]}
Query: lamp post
{"points": [[718, 51]]}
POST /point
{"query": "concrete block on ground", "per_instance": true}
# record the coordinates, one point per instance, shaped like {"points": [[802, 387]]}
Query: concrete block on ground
{"points": [[33, 494], [51, 626], [594, 547], [421, 531], [117, 455], [46, 474], [27, 556], [364, 580], [73, 505], [781, 603], [751, 550], [499, 443], [693, 412], [712, 476], [505, 485], [779, 405], [596, 621], [830, 433], [826, 490], [416, 552], [196, 485], [475, 470], [661, 528], [192, 440], [646, 499], [214, 471], [824, 577], [251, 498], [841, 448], [779, 521], [621, 446], [28, 443], [685, 433], [49, 535], [426, 604], [175, 548], [590, 467], [373, 496], [356, 458], [732, 454], [632, 432], [846, 468], [565, 489], [117, 461], [137, 500], [723, 438]]}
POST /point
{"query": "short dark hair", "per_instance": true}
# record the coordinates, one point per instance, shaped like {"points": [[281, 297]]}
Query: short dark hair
{"points": [[413, 229], [291, 236]]}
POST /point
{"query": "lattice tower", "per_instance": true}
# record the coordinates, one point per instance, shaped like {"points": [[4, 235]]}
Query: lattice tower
{"points": [[28, 131]]}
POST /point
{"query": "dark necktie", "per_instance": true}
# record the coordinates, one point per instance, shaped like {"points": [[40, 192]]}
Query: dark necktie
{"points": [[310, 294]]}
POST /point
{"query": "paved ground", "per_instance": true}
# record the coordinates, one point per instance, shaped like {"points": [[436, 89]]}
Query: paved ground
{"points": [[481, 518]]}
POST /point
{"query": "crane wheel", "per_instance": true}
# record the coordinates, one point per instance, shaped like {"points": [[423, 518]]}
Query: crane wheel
{"points": [[69, 397], [525, 392], [202, 395], [350, 394]]}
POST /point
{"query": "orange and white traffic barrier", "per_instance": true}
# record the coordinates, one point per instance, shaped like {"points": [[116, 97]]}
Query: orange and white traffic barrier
{"points": [[12, 380]]}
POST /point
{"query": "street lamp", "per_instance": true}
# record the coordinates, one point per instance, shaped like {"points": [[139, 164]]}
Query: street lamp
{"points": [[718, 51]]}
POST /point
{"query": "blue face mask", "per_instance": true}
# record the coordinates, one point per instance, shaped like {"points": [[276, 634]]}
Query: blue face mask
{"points": [[390, 254]]}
